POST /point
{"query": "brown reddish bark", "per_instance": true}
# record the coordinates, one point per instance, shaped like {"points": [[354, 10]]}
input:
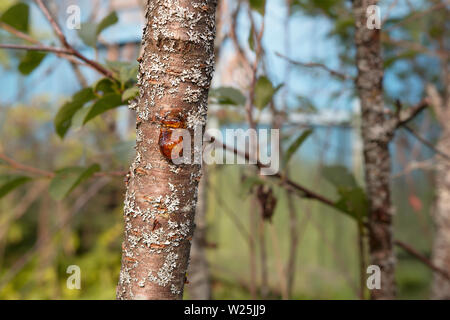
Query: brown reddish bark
{"points": [[199, 287], [175, 73], [376, 134]]}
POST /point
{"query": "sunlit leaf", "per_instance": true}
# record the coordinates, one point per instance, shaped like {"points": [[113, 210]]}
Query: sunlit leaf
{"points": [[105, 85], [130, 93], [264, 92], [88, 33], [228, 95], [258, 5], [30, 61], [107, 21], [68, 179], [105, 103], [63, 118], [17, 16], [123, 71]]}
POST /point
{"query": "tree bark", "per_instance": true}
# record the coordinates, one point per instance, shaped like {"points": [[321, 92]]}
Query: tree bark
{"points": [[441, 244], [376, 136], [199, 287], [174, 77]]}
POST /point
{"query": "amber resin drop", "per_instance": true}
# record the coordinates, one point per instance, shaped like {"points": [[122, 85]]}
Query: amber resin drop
{"points": [[171, 148]]}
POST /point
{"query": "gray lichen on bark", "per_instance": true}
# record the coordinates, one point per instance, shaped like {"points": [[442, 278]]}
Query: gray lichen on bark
{"points": [[376, 133], [441, 214], [174, 77], [441, 245]]}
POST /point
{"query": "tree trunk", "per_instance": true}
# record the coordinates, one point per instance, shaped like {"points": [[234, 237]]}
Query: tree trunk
{"points": [[174, 77], [441, 244], [199, 286], [376, 137]]}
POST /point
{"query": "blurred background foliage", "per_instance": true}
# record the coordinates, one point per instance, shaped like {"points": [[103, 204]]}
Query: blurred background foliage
{"points": [[42, 233]]}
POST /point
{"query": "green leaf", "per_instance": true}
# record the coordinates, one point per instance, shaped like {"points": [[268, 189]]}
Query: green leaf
{"points": [[123, 71], [63, 118], [258, 5], [30, 61], [353, 202], [68, 179], [339, 176], [17, 16], [264, 92], [106, 22], [295, 145], [251, 41], [228, 95], [352, 198], [105, 103], [105, 85], [130, 93], [10, 182], [88, 33], [78, 118]]}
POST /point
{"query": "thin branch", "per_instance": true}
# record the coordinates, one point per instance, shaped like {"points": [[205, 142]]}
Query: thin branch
{"points": [[426, 142], [18, 33], [49, 174], [415, 165], [415, 16], [64, 42], [53, 23], [421, 258], [304, 192], [335, 73], [21, 167], [35, 48], [26, 37], [414, 46], [403, 116]]}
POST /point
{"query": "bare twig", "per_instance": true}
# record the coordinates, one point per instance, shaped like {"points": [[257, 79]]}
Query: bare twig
{"points": [[27, 38], [415, 16], [21, 167], [405, 115], [415, 165], [334, 73], [414, 46], [35, 48], [421, 258], [64, 42], [49, 174], [426, 142]]}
